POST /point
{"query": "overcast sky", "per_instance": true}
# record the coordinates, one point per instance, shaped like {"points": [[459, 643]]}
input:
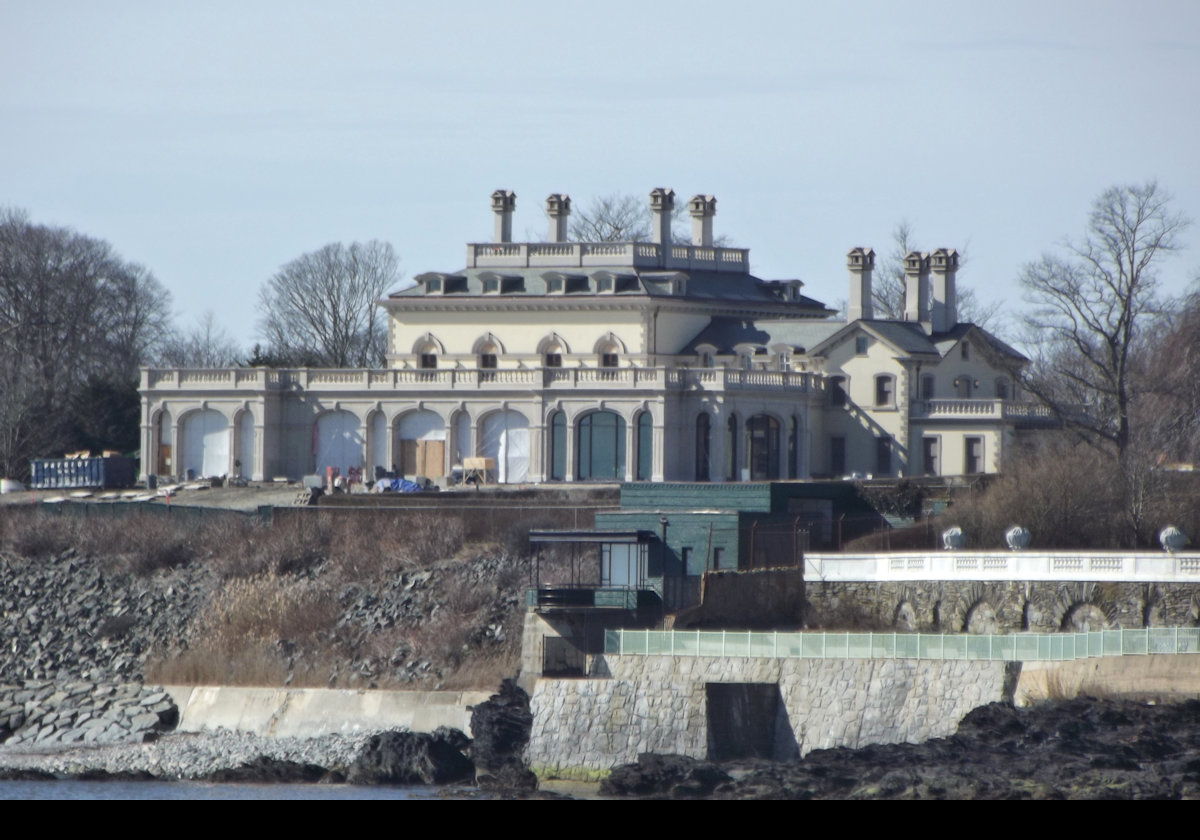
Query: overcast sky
{"points": [[214, 142]]}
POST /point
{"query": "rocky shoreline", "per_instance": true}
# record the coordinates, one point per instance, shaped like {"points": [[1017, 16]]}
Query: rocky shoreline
{"points": [[1084, 748]]}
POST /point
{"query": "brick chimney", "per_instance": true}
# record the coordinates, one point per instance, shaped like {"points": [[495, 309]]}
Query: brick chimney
{"points": [[916, 286], [558, 208], [861, 262], [702, 208], [944, 309], [662, 205], [504, 202]]}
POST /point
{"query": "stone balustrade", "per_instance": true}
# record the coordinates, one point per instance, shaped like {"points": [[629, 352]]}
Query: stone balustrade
{"points": [[454, 379], [1139, 566], [596, 254]]}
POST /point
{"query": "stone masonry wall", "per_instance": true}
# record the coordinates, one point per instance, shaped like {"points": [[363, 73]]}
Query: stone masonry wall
{"points": [[999, 606], [582, 728]]}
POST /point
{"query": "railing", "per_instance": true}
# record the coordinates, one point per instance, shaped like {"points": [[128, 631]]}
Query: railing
{"points": [[579, 254], [1139, 566], [1018, 647], [358, 379], [970, 409]]}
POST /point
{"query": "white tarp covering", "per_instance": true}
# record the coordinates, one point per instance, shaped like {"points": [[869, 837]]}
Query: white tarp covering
{"points": [[506, 438], [339, 442], [464, 447], [205, 443], [421, 425]]}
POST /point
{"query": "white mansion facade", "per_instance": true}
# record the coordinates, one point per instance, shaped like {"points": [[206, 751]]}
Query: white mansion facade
{"points": [[654, 361]]}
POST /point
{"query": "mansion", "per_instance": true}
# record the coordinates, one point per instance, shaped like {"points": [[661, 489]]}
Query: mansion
{"points": [[618, 361]]}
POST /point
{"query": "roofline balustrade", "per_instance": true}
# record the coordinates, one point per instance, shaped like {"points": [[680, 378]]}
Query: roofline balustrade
{"points": [[646, 255]]}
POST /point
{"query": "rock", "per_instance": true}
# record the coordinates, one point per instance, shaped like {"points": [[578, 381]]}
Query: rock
{"points": [[670, 776], [405, 758], [501, 727]]}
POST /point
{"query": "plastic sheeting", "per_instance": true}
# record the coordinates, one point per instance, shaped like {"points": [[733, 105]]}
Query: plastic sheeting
{"points": [[506, 438], [205, 443], [339, 442]]}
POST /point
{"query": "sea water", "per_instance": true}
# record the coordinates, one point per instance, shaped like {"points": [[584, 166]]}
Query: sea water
{"points": [[214, 790]]}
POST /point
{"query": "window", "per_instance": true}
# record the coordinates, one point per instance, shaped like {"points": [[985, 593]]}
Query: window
{"points": [[927, 386], [883, 455], [491, 286], [487, 361], [861, 343], [793, 447], [837, 455], [718, 557], [554, 286], [1001, 388], [645, 447], [837, 391], [885, 391], [973, 460], [966, 351], [553, 360], [703, 432], [558, 446], [433, 285], [608, 360], [929, 455], [731, 451], [428, 361]]}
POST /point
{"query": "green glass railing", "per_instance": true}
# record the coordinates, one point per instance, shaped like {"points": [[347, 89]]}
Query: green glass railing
{"points": [[1023, 647]]}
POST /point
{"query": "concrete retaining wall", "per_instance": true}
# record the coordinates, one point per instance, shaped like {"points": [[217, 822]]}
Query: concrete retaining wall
{"points": [[309, 712], [582, 728]]}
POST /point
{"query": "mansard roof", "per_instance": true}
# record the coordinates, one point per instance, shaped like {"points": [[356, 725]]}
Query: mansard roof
{"points": [[696, 285]]}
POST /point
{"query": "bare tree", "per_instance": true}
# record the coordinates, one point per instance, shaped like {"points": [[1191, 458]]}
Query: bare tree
{"points": [[1090, 306], [73, 317], [627, 218], [206, 345], [888, 284], [324, 305]]}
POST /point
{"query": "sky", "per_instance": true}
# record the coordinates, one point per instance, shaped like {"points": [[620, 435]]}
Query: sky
{"points": [[215, 142]]}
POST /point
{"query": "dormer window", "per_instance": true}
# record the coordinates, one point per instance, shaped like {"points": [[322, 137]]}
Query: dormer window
{"points": [[604, 285], [433, 286], [554, 286], [491, 286]]}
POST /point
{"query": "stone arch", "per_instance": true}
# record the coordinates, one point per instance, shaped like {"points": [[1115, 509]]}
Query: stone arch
{"points": [[338, 441], [419, 446], [243, 447], [428, 343], [600, 446], [161, 441], [504, 436], [204, 435]]}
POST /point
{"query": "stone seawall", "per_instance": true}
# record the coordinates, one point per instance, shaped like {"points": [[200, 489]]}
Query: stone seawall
{"points": [[788, 707]]}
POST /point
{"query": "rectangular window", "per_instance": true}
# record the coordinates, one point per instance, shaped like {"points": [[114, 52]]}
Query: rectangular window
{"points": [[718, 557], [608, 360], [929, 455], [860, 345], [428, 361], [837, 455], [966, 351], [554, 360], [487, 361], [883, 455], [973, 462], [883, 391], [927, 390]]}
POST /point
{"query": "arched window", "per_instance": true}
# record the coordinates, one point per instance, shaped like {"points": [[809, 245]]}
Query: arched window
{"points": [[558, 446], [762, 448], [645, 447], [601, 443], [703, 441], [793, 447]]}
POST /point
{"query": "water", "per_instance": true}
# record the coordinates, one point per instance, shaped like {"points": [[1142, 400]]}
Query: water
{"points": [[220, 791]]}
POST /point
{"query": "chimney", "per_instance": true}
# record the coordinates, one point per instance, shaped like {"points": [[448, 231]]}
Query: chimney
{"points": [[662, 205], [916, 286], [702, 208], [861, 262], [504, 202], [558, 208], [944, 314]]}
